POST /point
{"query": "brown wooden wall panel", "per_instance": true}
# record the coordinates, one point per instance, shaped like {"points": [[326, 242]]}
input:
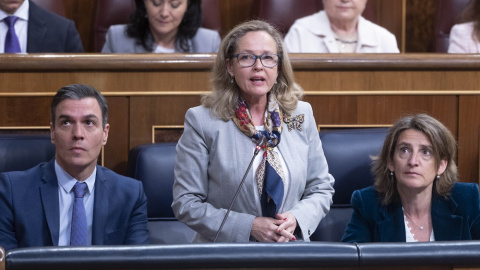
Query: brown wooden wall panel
{"points": [[147, 112], [156, 90], [468, 137], [116, 149]]}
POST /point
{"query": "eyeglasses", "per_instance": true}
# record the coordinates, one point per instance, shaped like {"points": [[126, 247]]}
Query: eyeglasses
{"points": [[247, 59]]}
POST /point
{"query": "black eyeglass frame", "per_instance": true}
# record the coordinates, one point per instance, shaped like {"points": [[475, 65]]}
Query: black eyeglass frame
{"points": [[258, 57]]}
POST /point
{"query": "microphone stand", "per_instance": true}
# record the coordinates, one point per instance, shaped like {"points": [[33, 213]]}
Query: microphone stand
{"points": [[260, 142]]}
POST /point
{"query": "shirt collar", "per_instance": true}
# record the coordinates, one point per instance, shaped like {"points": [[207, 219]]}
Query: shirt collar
{"points": [[22, 12], [66, 181]]}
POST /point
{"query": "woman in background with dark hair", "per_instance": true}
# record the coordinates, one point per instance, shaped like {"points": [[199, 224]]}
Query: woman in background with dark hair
{"points": [[465, 37], [163, 26]]}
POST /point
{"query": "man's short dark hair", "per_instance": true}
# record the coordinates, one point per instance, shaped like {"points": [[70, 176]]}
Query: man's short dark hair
{"points": [[78, 92]]}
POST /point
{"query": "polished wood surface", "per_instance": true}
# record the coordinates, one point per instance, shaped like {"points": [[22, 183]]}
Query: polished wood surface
{"points": [[145, 91]]}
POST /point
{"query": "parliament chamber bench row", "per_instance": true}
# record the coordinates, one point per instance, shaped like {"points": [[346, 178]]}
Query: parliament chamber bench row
{"points": [[295, 255], [347, 152]]}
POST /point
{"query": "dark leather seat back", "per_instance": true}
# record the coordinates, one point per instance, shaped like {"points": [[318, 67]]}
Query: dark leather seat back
{"points": [[348, 153], [22, 152], [55, 6], [153, 164], [111, 12], [448, 14], [283, 13]]}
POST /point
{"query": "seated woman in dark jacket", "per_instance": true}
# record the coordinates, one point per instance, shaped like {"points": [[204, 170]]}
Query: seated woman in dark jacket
{"points": [[415, 196]]}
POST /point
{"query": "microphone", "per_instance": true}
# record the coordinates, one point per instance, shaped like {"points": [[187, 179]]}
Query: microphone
{"points": [[258, 147]]}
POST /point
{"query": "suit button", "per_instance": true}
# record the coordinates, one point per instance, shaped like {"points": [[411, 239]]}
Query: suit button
{"points": [[309, 232]]}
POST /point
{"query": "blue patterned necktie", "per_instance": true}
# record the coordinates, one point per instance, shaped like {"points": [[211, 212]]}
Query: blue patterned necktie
{"points": [[12, 45], [78, 236]]}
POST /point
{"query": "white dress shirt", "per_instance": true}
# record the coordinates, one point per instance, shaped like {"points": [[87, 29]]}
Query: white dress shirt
{"points": [[21, 27], [66, 198]]}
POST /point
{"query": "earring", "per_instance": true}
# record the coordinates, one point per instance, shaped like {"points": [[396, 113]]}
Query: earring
{"points": [[438, 176], [275, 81], [391, 173], [231, 79]]}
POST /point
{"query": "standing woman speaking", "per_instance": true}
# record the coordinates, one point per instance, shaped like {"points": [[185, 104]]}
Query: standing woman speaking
{"points": [[288, 190]]}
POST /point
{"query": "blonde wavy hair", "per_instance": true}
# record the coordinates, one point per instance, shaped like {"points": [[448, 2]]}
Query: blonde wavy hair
{"points": [[444, 147], [223, 98]]}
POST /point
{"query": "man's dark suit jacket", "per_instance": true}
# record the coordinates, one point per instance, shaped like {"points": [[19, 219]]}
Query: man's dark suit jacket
{"points": [[456, 217], [29, 208], [51, 33]]}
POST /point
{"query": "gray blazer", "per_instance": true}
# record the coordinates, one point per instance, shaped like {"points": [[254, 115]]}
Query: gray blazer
{"points": [[117, 41], [212, 157]]}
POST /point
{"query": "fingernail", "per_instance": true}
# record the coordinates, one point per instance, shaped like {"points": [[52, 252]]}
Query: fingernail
{"points": [[285, 219], [293, 238]]}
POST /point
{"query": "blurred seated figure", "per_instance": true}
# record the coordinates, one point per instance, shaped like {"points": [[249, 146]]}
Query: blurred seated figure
{"points": [[416, 197], [465, 37], [339, 28], [27, 28], [163, 26]]}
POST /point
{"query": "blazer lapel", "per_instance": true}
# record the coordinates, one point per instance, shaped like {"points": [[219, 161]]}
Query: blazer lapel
{"points": [[392, 227], [242, 158], [446, 225], [295, 168], [100, 208], [36, 29], [50, 200]]}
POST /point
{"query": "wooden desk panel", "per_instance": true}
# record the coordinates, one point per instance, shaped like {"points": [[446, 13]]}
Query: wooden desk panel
{"points": [[150, 90]]}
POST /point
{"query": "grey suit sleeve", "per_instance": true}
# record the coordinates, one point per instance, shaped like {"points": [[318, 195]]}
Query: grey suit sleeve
{"points": [[107, 47], [317, 197], [193, 202]]}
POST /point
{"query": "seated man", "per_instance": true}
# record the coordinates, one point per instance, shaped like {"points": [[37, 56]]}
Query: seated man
{"points": [[27, 28], [71, 200]]}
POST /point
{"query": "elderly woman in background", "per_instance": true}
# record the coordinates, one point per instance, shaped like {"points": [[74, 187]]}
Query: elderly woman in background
{"points": [[465, 37], [289, 189], [163, 26], [415, 197], [339, 28]]}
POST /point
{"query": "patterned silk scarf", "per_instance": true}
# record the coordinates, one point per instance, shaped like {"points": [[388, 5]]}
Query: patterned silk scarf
{"points": [[270, 176]]}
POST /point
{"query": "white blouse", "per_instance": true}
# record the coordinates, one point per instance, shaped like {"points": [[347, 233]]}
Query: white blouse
{"points": [[411, 236]]}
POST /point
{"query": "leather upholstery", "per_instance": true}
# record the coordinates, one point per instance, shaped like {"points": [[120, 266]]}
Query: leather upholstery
{"points": [[22, 152], [448, 14], [111, 12], [153, 164], [283, 13], [444, 255], [455, 253], [55, 6], [348, 154], [191, 256], [106, 13]]}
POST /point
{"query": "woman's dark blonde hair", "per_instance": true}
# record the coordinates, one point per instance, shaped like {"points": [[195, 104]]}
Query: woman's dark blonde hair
{"points": [[223, 98], [471, 13], [444, 147]]}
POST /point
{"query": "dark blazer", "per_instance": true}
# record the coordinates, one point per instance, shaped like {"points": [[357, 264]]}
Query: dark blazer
{"points": [[30, 210], [456, 217], [51, 33]]}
